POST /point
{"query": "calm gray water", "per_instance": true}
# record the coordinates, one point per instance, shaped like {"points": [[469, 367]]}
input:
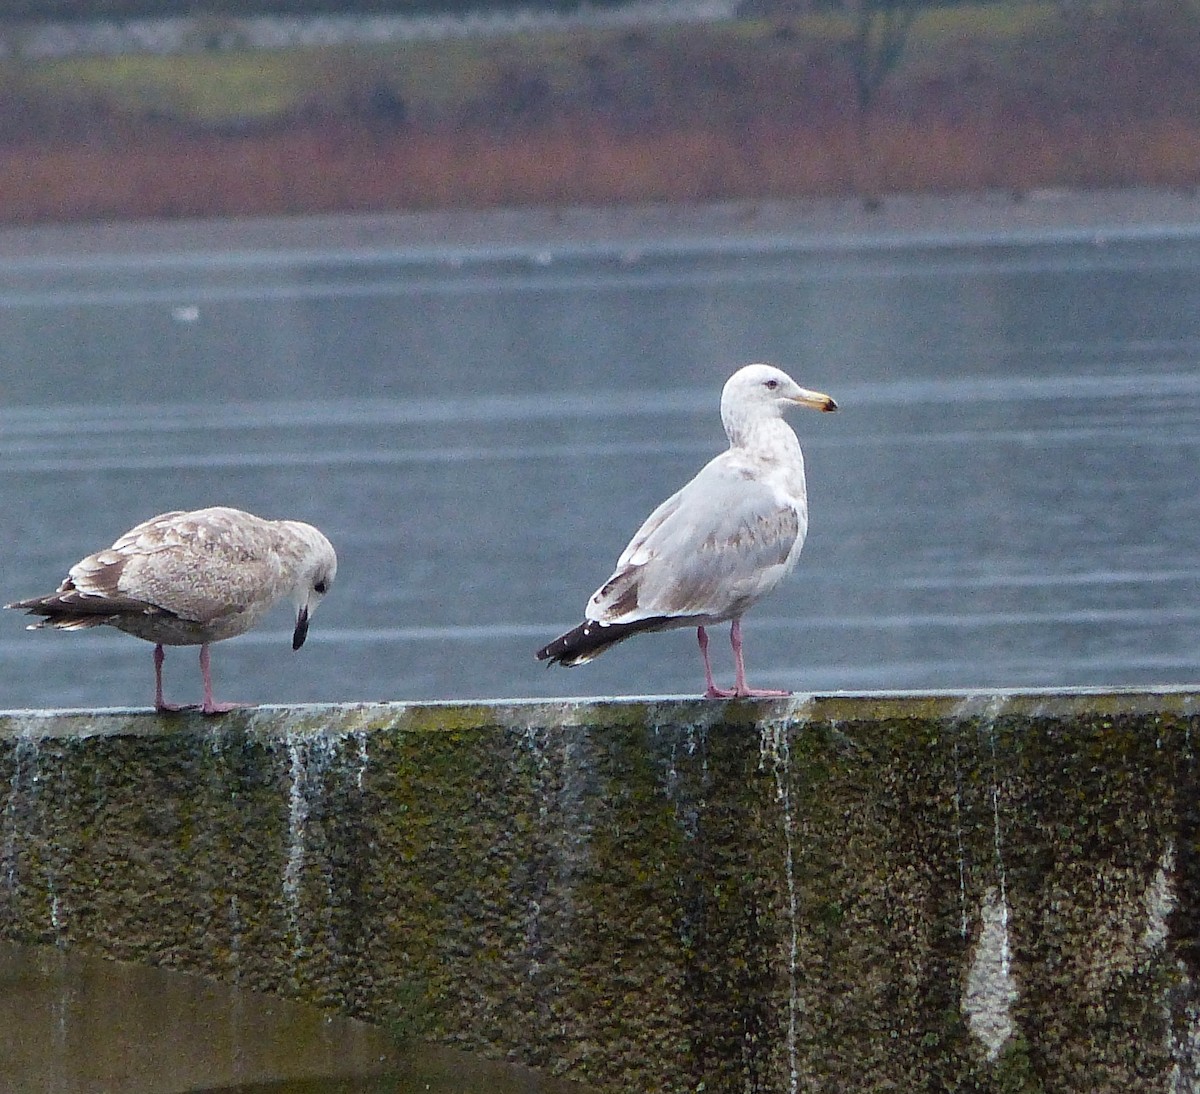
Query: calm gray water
{"points": [[76, 1024], [1008, 498]]}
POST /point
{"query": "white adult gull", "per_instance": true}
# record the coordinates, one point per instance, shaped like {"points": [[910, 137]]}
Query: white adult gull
{"points": [[193, 578], [717, 546]]}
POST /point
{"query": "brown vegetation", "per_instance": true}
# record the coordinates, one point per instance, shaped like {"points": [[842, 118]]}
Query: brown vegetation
{"points": [[689, 116]]}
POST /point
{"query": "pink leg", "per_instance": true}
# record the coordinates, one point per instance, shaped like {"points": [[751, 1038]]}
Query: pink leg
{"points": [[159, 704], [711, 691], [209, 706], [739, 685]]}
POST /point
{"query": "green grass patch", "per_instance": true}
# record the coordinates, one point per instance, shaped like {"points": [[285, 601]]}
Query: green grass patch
{"points": [[201, 87]]}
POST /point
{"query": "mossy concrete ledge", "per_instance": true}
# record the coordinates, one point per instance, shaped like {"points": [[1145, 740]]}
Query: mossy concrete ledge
{"points": [[995, 892]]}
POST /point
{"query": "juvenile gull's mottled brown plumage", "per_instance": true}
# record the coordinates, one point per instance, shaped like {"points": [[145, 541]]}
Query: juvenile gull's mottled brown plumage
{"points": [[721, 543], [192, 578]]}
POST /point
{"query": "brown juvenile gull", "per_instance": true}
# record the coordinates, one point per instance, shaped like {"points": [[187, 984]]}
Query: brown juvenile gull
{"points": [[720, 544], [192, 578]]}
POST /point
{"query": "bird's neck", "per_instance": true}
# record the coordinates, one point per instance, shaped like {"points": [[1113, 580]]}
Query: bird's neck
{"points": [[767, 438]]}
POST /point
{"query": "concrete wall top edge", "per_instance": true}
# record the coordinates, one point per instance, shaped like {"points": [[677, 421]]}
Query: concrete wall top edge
{"points": [[456, 715]]}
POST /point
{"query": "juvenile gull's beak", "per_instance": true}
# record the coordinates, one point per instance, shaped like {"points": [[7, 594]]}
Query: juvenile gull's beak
{"points": [[301, 632], [815, 399]]}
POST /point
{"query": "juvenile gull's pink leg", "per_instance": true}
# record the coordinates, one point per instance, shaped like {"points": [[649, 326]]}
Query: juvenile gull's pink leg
{"points": [[711, 691], [209, 706], [739, 686], [159, 704]]}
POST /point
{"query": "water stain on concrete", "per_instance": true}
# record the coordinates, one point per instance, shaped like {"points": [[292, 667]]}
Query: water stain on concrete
{"points": [[877, 892]]}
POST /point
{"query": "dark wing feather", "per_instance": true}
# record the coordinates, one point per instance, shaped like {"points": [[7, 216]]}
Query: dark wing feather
{"points": [[590, 639], [99, 602]]}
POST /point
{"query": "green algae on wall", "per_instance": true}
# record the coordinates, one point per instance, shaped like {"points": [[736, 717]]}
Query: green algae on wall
{"points": [[994, 893]]}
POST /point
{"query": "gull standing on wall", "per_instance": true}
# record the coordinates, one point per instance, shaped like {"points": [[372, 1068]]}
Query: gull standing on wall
{"points": [[193, 578], [717, 546]]}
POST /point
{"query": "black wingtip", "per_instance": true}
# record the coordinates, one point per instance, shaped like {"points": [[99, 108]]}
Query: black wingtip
{"points": [[590, 639], [562, 650]]}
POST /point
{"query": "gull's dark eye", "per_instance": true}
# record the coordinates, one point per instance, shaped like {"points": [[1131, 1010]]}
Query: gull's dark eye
{"points": [[771, 384], [320, 587]]}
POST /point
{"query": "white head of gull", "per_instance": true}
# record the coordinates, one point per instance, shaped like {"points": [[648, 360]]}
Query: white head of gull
{"points": [[193, 578], [720, 544]]}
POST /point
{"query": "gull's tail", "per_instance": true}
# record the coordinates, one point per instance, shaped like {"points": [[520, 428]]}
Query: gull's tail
{"points": [[70, 610], [590, 639]]}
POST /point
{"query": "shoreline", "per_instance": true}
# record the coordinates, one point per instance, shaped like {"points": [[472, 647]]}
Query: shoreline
{"points": [[819, 224], [176, 35], [755, 120]]}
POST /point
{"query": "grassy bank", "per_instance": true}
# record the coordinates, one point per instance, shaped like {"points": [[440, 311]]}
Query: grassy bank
{"points": [[1002, 95]]}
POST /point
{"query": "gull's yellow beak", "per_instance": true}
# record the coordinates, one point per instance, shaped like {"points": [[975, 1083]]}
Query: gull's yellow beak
{"points": [[814, 399]]}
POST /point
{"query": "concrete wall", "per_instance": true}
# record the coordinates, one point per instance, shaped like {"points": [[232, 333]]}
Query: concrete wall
{"points": [[993, 893]]}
